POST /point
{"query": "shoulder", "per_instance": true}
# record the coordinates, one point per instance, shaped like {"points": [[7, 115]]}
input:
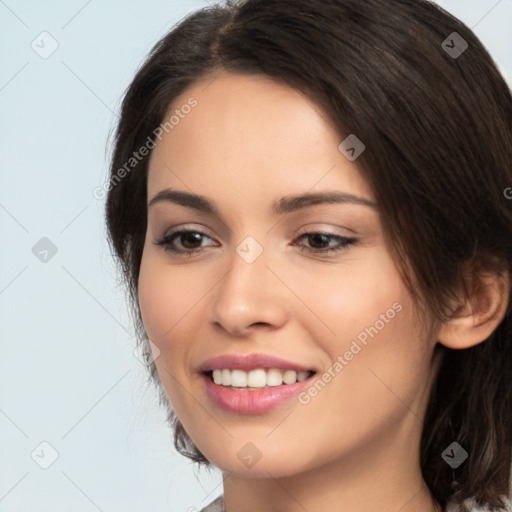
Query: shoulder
{"points": [[215, 506], [218, 506], [471, 505]]}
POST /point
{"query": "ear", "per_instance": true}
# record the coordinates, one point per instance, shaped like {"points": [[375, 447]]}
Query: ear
{"points": [[477, 316]]}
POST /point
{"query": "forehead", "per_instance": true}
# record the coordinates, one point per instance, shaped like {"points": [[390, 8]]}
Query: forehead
{"points": [[250, 133]]}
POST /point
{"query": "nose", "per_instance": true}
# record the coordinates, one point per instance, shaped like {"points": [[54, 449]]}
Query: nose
{"points": [[250, 297]]}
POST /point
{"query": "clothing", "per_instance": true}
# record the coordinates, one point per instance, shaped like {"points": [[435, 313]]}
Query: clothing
{"points": [[452, 506], [215, 506], [218, 506]]}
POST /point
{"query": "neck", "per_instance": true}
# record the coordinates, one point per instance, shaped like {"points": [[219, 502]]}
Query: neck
{"points": [[379, 476], [314, 495]]}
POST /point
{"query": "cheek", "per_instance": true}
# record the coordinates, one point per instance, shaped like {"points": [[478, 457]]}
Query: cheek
{"points": [[350, 297], [382, 313], [166, 296], [370, 314], [157, 305]]}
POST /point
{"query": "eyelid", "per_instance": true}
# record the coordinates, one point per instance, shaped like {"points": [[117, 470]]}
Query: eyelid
{"points": [[343, 244], [306, 229], [187, 227], [315, 227]]}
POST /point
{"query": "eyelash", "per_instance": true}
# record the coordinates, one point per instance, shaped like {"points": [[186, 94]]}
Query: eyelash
{"points": [[167, 240]]}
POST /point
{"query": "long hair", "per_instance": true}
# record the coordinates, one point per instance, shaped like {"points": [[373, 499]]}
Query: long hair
{"points": [[420, 90]]}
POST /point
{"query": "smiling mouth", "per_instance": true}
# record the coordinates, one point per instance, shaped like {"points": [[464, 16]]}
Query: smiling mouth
{"points": [[259, 378]]}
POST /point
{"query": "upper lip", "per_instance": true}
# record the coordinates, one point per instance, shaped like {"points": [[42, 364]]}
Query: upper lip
{"points": [[250, 362]]}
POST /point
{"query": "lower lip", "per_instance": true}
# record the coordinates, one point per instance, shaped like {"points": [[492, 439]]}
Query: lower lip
{"points": [[258, 401]]}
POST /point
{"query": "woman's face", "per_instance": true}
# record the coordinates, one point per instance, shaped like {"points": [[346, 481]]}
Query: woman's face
{"points": [[250, 278]]}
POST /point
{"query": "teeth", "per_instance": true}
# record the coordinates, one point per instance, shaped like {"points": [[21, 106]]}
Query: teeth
{"points": [[289, 377], [238, 379], [258, 378], [226, 377], [274, 377], [217, 376]]}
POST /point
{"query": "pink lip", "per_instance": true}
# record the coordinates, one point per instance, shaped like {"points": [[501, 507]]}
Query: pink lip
{"points": [[244, 401], [250, 362]]}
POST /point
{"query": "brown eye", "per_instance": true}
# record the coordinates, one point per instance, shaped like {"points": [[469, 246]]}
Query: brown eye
{"points": [[320, 242], [183, 241]]}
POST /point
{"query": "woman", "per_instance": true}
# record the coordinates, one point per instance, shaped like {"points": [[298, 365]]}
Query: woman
{"points": [[308, 201]]}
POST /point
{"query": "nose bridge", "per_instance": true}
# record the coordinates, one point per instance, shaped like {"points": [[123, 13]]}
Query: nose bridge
{"points": [[249, 293]]}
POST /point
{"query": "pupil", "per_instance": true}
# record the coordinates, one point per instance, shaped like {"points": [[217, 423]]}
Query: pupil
{"points": [[321, 238], [191, 237]]}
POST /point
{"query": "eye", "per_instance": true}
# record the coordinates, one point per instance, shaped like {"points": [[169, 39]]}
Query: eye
{"points": [[321, 242], [190, 241]]}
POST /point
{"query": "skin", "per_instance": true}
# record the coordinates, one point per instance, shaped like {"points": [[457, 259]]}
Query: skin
{"points": [[355, 445]]}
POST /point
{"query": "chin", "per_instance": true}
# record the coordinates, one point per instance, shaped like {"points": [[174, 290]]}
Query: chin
{"points": [[250, 463]]}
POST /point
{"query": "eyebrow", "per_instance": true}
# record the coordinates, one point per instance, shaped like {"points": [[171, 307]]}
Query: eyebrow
{"points": [[284, 205]]}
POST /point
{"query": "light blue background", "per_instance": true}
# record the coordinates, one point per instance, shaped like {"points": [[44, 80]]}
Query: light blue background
{"points": [[68, 375]]}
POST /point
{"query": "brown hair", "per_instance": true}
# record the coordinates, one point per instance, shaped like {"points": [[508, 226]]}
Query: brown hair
{"points": [[438, 133]]}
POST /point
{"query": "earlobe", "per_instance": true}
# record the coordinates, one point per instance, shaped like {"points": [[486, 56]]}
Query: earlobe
{"points": [[480, 314]]}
